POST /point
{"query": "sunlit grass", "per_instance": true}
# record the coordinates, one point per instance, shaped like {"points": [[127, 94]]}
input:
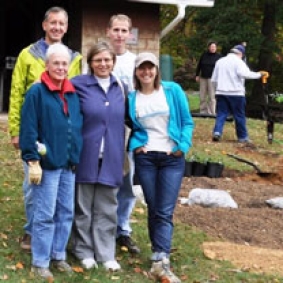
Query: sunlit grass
{"points": [[187, 257]]}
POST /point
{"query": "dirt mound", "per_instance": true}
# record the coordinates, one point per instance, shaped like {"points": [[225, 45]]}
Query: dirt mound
{"points": [[260, 260], [253, 224]]}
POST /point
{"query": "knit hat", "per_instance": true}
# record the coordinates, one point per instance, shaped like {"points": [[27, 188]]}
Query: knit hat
{"points": [[239, 49], [146, 57]]}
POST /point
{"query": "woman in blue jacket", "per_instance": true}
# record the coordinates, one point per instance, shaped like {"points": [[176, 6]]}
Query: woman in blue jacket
{"points": [[161, 137], [51, 116]]}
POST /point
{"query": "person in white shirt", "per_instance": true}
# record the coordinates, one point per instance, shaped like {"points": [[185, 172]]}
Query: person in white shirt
{"points": [[118, 32], [228, 78]]}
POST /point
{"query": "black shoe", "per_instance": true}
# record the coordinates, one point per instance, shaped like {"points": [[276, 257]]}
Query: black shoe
{"points": [[25, 242], [216, 138], [127, 242]]}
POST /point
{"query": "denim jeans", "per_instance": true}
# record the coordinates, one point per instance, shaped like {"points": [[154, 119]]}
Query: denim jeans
{"points": [[235, 105], [160, 176], [53, 202], [126, 201], [27, 191]]}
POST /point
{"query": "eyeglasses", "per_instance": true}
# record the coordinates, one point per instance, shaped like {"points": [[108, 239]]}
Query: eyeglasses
{"points": [[99, 61]]}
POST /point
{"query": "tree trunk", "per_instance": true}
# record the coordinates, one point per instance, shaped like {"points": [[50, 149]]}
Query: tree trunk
{"points": [[256, 102]]}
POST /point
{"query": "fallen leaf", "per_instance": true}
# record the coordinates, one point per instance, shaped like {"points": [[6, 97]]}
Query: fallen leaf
{"points": [[164, 280], [19, 265], [12, 267], [184, 277], [137, 270], [4, 277], [139, 210], [3, 236], [115, 277], [78, 269], [124, 249]]}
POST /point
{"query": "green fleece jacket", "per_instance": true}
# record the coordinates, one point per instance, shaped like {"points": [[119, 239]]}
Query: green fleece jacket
{"points": [[28, 69]]}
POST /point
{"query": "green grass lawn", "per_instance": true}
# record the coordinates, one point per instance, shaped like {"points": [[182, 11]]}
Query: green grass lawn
{"points": [[187, 258], [194, 102]]}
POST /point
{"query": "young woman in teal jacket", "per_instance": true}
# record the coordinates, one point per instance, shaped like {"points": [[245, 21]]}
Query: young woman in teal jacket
{"points": [[161, 137]]}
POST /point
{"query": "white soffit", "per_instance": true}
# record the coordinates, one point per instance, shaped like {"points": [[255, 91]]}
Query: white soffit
{"points": [[181, 5], [196, 3]]}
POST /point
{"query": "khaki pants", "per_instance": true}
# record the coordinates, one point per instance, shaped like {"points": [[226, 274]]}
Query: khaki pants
{"points": [[207, 97]]}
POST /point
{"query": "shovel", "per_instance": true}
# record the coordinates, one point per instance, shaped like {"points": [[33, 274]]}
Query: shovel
{"points": [[258, 171]]}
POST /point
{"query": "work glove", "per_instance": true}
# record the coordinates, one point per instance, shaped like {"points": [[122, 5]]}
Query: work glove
{"points": [[35, 172], [264, 76]]}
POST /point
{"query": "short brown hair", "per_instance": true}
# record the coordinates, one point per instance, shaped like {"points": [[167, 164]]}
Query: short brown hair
{"points": [[120, 17], [98, 48]]}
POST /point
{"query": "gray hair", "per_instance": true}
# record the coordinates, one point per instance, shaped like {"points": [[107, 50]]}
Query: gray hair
{"points": [[55, 10], [57, 48]]}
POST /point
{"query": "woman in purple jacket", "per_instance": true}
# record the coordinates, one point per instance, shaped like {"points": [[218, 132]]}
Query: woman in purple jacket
{"points": [[100, 169]]}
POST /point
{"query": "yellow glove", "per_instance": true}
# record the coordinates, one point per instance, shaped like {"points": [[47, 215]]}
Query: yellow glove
{"points": [[35, 172], [264, 76]]}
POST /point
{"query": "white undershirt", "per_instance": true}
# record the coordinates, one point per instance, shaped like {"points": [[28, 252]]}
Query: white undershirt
{"points": [[152, 111], [124, 68], [104, 83]]}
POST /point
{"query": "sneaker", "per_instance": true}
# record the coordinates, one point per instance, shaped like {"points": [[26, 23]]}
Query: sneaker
{"points": [[89, 263], [111, 265], [160, 270], [42, 272], [246, 140], [127, 242], [25, 242], [216, 138], [62, 266]]}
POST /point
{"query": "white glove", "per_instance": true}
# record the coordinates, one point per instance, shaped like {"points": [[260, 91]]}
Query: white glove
{"points": [[35, 172]]}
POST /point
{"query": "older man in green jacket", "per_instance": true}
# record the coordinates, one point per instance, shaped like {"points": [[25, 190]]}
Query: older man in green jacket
{"points": [[29, 66]]}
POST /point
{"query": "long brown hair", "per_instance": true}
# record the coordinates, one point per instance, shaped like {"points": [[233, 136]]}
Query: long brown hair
{"points": [[156, 83]]}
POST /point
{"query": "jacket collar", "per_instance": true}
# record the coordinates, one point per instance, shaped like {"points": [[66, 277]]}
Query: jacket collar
{"points": [[66, 85]]}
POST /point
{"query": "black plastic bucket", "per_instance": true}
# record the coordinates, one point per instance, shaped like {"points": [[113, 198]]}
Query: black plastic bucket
{"points": [[188, 169], [199, 169], [214, 169]]}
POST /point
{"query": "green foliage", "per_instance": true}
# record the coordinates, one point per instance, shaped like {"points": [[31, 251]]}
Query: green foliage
{"points": [[229, 22], [223, 24]]}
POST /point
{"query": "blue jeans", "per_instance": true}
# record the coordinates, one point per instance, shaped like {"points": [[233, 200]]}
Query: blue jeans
{"points": [[235, 105], [53, 202], [160, 176], [126, 201], [27, 191]]}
